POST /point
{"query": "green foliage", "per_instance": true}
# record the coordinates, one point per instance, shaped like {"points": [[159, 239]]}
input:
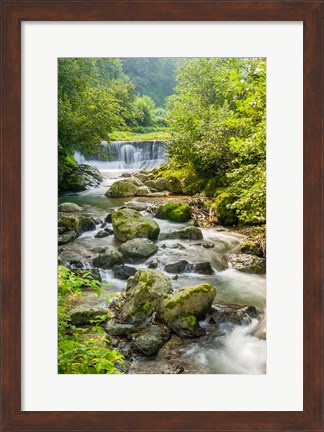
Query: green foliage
{"points": [[217, 119], [144, 108], [82, 350]]}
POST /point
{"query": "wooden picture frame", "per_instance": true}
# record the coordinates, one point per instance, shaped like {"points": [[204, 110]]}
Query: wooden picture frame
{"points": [[13, 13]]}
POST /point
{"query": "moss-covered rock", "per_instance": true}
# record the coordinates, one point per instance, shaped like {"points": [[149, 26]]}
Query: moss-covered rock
{"points": [[194, 301], [248, 263], [67, 237], [108, 260], [145, 292], [188, 233], [161, 184], [129, 224], [174, 184], [68, 207], [142, 191], [150, 342], [253, 247], [138, 249], [174, 211], [187, 326], [225, 214], [122, 188], [68, 223], [86, 224], [80, 178], [82, 315]]}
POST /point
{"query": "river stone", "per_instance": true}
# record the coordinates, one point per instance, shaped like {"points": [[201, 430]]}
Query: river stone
{"points": [[102, 233], [67, 237], [253, 247], [145, 291], [151, 341], [142, 191], [83, 177], [69, 208], [187, 326], [108, 260], [118, 329], [202, 268], [231, 313], [94, 273], [161, 184], [150, 184], [86, 224], [82, 315], [139, 206], [174, 185], [178, 267], [123, 188], [68, 223], [153, 264], [123, 272], [129, 224], [174, 211], [138, 249], [142, 177], [248, 263], [108, 217], [194, 301], [190, 233]]}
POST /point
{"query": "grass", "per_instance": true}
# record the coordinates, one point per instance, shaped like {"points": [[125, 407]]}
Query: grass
{"points": [[158, 134]]}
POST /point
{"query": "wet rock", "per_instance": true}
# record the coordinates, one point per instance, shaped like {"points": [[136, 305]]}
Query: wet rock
{"points": [[108, 218], [102, 234], [108, 260], [83, 177], [138, 249], [123, 188], [65, 238], [97, 221], [231, 313], [150, 342], [123, 272], [82, 315], [187, 326], [94, 273], [150, 184], [76, 264], [86, 224], [202, 268], [144, 294], [118, 329], [153, 264], [109, 231], [126, 175], [194, 301], [69, 208], [103, 225], [178, 267], [248, 263], [68, 223], [139, 206], [190, 233], [100, 249], [174, 211], [253, 247], [142, 177], [208, 245], [129, 224]]}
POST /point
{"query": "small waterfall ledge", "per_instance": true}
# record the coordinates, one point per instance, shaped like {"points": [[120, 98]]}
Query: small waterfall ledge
{"points": [[127, 155]]}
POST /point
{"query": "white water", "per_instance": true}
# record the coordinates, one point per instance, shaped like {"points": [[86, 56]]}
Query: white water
{"points": [[127, 155]]}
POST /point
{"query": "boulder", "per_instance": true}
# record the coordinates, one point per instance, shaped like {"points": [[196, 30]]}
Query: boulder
{"points": [[108, 260], [187, 326], [253, 247], [142, 177], [190, 233], [139, 206], [83, 177], [129, 224], [142, 191], [178, 267], [123, 188], [118, 329], [150, 184], [150, 342], [86, 224], [67, 237], [161, 184], [68, 223], [123, 272], [174, 185], [153, 264], [108, 218], [69, 208], [82, 315], [202, 268], [194, 301], [145, 292], [231, 313], [248, 263], [138, 249], [102, 233], [175, 211]]}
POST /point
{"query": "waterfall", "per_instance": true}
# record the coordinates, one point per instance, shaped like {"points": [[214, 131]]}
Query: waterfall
{"points": [[124, 155]]}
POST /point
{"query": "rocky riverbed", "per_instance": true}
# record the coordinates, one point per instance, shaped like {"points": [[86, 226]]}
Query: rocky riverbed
{"points": [[192, 298]]}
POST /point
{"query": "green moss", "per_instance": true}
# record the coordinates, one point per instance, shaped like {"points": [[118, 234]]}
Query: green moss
{"points": [[225, 214], [175, 211], [190, 319]]}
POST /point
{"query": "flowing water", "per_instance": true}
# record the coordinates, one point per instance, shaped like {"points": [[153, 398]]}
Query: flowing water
{"points": [[237, 349]]}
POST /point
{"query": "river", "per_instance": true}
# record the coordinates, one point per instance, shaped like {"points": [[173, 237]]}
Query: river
{"points": [[237, 349]]}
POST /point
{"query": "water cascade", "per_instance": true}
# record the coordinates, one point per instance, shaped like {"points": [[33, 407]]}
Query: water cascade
{"points": [[127, 155]]}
